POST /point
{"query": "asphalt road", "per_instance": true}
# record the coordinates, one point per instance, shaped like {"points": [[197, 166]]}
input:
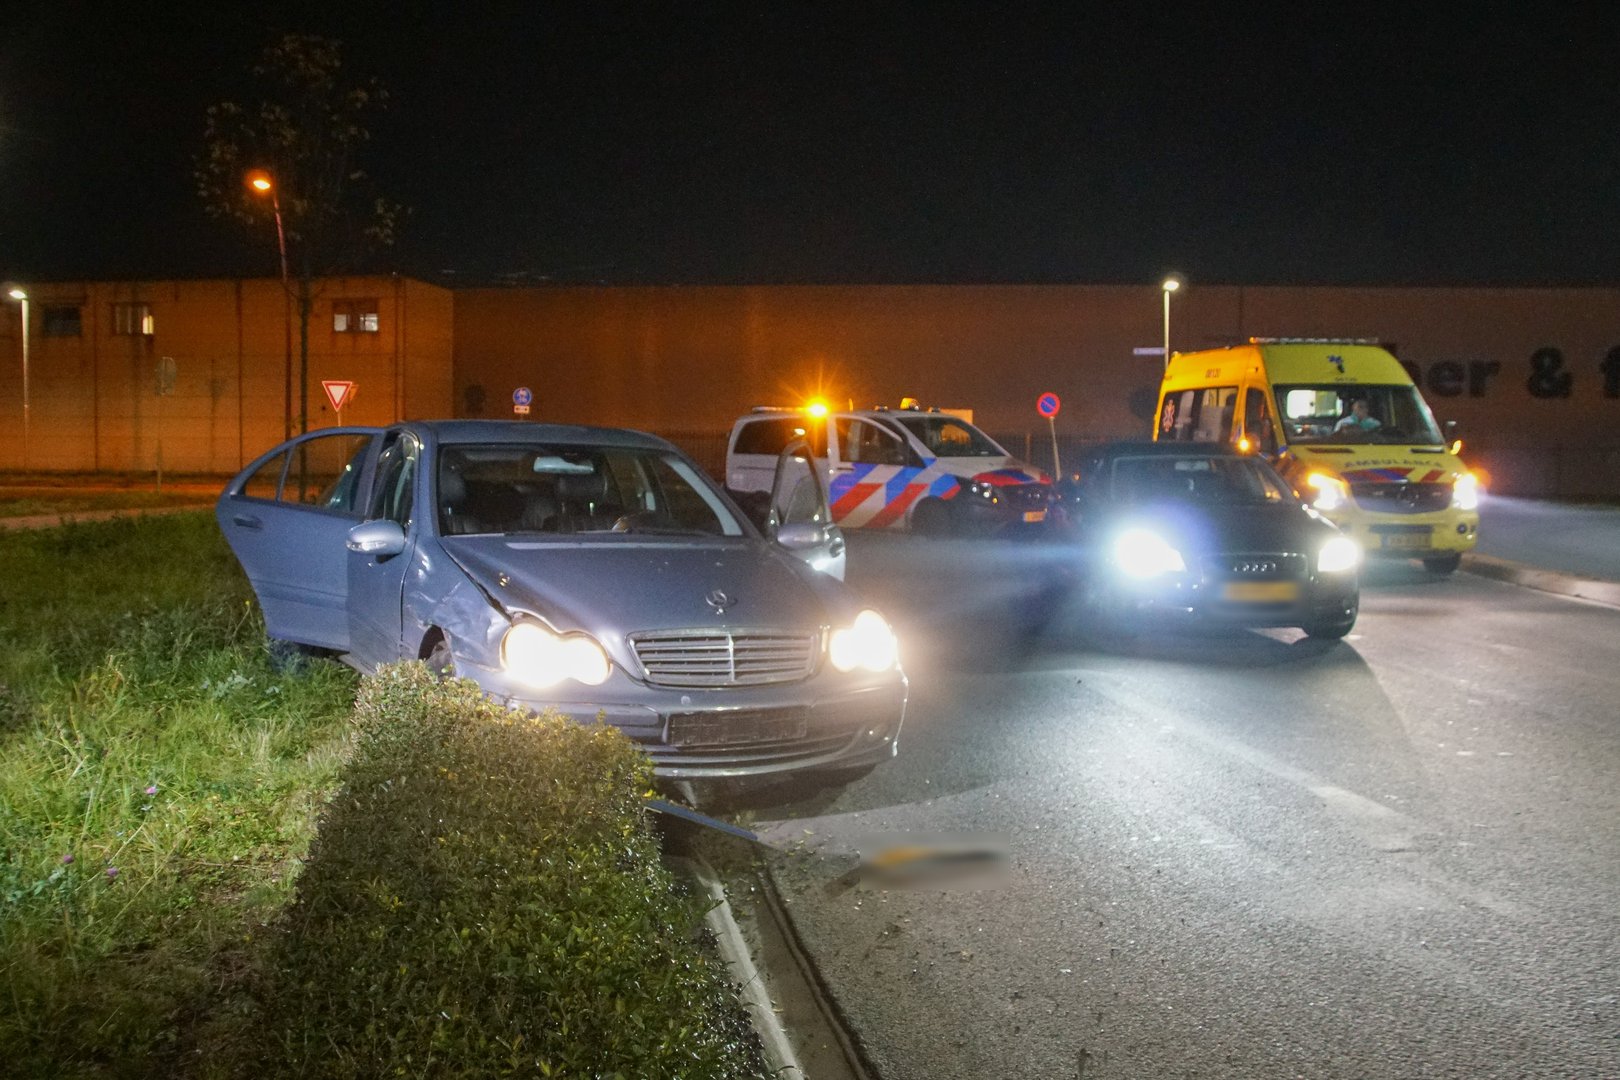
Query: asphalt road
{"points": [[1243, 855]]}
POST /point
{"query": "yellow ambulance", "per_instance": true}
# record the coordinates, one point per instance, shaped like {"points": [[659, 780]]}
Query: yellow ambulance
{"points": [[1344, 423]]}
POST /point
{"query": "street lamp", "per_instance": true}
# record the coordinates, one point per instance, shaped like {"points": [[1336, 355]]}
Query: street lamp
{"points": [[21, 297], [1171, 284], [260, 182]]}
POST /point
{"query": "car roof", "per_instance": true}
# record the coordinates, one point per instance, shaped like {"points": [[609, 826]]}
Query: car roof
{"points": [[521, 431]]}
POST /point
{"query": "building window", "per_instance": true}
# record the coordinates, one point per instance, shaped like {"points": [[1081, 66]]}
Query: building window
{"points": [[132, 318], [61, 320], [354, 316]]}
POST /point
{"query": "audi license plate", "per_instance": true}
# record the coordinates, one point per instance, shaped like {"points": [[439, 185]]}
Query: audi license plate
{"points": [[1261, 592], [1034, 515]]}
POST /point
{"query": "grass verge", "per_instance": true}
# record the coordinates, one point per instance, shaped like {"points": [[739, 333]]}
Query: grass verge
{"points": [[34, 502], [158, 783], [484, 896]]}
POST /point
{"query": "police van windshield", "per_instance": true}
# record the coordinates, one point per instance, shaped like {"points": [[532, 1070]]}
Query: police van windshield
{"points": [[1336, 413], [946, 436]]}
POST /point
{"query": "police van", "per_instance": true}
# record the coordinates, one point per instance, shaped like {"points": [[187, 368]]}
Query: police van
{"points": [[930, 471], [1344, 423]]}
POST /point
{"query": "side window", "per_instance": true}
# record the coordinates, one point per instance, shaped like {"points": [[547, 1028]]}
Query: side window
{"points": [[394, 492], [1203, 415], [867, 444], [765, 436], [325, 472], [769, 435], [1257, 418], [265, 483]]}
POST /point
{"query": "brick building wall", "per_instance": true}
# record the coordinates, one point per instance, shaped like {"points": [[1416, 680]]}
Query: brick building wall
{"points": [[96, 350]]}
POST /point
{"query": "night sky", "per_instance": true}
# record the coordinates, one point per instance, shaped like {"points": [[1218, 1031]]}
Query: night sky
{"points": [[871, 143]]}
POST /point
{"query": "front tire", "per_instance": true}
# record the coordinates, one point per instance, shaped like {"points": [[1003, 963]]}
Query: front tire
{"points": [[931, 517], [439, 659], [1443, 564]]}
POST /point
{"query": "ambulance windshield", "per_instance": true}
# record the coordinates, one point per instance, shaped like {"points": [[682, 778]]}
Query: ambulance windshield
{"points": [[946, 436], [1339, 413]]}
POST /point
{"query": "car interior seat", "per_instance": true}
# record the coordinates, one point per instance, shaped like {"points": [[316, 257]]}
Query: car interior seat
{"points": [[454, 503]]}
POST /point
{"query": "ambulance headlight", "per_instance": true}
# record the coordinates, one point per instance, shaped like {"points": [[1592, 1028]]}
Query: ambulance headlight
{"points": [[867, 643], [534, 656], [1465, 492], [1143, 553], [1331, 492], [1338, 555]]}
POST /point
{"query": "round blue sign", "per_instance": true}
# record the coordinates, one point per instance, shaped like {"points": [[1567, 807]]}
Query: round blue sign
{"points": [[1048, 405], [522, 396]]}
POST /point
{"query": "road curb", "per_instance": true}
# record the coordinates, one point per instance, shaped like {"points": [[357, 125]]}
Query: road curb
{"points": [[777, 910], [1547, 581], [778, 1047]]}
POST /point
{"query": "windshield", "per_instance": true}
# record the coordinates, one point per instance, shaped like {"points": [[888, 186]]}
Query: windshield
{"points": [[534, 488], [946, 436], [1336, 413], [1227, 480]]}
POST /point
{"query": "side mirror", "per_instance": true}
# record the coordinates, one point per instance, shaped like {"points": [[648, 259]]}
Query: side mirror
{"points": [[1452, 429], [383, 539], [799, 535]]}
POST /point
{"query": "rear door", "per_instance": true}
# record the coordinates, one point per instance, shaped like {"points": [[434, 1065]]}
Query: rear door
{"points": [[875, 475], [286, 517]]}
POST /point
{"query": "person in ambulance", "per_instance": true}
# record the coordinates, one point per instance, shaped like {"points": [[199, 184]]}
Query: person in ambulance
{"points": [[931, 472]]}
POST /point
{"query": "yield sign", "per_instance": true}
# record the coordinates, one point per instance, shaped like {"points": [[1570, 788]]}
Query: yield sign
{"points": [[338, 392]]}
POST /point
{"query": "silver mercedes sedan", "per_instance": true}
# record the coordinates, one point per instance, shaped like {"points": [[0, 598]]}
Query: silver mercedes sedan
{"points": [[593, 570]]}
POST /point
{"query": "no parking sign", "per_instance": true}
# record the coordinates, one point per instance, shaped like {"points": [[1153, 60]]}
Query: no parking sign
{"points": [[1048, 405]]}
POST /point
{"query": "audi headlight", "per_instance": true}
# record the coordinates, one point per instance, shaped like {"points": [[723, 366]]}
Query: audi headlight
{"points": [[866, 643], [1338, 555], [1465, 492], [1143, 553], [536, 657], [1331, 492]]}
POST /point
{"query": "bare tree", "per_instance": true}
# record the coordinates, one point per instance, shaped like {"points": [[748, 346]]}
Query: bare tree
{"points": [[301, 141]]}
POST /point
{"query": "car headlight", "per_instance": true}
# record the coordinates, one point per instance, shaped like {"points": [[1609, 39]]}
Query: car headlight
{"points": [[1331, 492], [982, 490], [536, 657], [1465, 492], [1338, 555], [1143, 553], [866, 643]]}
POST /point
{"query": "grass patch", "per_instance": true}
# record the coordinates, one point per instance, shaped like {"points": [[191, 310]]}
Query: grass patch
{"points": [[158, 782], [486, 898]]}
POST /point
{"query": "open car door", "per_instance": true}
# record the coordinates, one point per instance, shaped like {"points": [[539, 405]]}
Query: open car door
{"points": [[286, 517], [800, 519]]}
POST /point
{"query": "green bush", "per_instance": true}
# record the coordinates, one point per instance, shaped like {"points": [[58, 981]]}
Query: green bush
{"points": [[485, 898]]}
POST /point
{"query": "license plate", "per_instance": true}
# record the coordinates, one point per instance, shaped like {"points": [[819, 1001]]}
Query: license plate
{"points": [[1034, 515], [1407, 540], [740, 728], [1261, 592]]}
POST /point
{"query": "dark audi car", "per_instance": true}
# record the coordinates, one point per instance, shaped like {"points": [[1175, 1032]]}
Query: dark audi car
{"points": [[1202, 532]]}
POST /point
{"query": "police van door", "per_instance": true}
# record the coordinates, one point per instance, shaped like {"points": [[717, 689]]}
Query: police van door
{"points": [[874, 474]]}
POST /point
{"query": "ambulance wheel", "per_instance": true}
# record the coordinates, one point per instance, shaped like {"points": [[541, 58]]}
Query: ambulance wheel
{"points": [[931, 518], [1443, 564]]}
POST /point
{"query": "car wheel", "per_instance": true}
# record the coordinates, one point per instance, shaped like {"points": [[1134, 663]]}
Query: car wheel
{"points": [[290, 657], [1443, 564], [931, 517], [439, 659]]}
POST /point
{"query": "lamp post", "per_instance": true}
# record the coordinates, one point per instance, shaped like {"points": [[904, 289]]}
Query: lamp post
{"points": [[21, 297], [1171, 284], [260, 182]]}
